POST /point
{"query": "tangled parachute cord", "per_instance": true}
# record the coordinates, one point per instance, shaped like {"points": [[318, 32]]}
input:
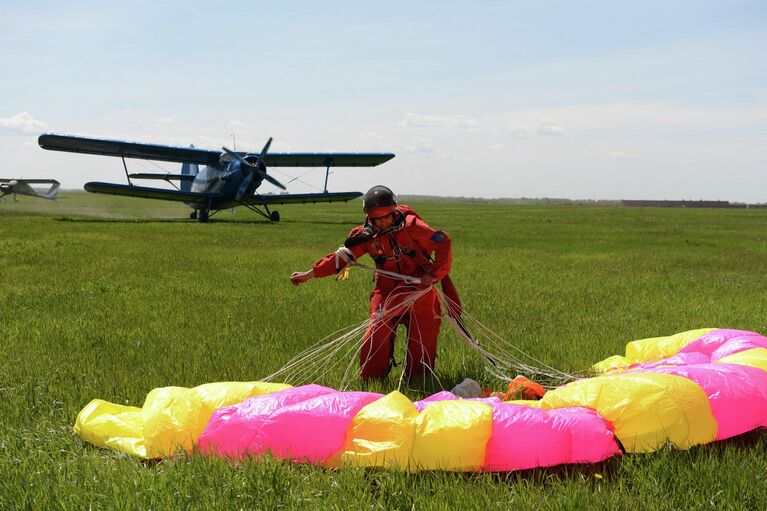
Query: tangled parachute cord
{"points": [[503, 359]]}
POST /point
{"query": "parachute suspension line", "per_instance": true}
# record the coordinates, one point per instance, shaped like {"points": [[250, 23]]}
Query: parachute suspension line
{"points": [[410, 295], [319, 360], [500, 353], [346, 256], [502, 358], [423, 360], [501, 363], [383, 319], [295, 371], [331, 360]]}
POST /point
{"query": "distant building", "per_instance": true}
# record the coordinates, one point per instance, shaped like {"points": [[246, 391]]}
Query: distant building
{"points": [[682, 204]]}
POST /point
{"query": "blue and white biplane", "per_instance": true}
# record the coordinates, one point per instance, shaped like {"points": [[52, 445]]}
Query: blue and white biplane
{"points": [[228, 178]]}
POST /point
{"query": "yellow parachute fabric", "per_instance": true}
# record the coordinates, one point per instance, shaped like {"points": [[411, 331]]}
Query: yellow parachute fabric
{"points": [[171, 419], [106, 424], [382, 433], [756, 357], [447, 435], [650, 350], [646, 409], [465, 426]]}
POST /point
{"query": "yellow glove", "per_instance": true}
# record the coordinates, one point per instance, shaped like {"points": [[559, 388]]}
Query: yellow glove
{"points": [[343, 274]]}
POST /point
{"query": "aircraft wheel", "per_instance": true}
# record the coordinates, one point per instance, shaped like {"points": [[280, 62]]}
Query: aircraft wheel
{"points": [[203, 216], [274, 216], [193, 215]]}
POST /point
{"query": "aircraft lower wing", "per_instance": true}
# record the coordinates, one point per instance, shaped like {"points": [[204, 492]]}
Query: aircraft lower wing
{"points": [[146, 192], [301, 198]]}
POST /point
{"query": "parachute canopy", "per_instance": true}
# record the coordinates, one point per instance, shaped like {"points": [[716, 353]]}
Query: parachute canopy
{"points": [[686, 389]]}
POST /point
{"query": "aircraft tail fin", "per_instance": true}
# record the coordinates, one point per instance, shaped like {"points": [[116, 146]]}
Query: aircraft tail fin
{"points": [[190, 169], [52, 191]]}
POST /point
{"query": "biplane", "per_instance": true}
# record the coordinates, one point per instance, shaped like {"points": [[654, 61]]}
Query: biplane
{"points": [[26, 187], [227, 179]]}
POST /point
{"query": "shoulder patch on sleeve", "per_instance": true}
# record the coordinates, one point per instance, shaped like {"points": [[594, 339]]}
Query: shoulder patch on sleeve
{"points": [[438, 237]]}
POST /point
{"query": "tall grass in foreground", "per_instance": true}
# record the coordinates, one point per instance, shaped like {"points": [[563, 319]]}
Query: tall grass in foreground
{"points": [[92, 305]]}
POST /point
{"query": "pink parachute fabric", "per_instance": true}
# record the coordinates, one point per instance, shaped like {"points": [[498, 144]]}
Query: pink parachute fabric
{"points": [[312, 424], [686, 389], [306, 423]]}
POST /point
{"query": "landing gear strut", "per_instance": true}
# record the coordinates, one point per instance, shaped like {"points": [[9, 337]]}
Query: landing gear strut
{"points": [[203, 216], [272, 216]]}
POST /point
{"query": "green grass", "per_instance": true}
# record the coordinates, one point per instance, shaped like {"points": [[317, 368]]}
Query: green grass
{"points": [[108, 297]]}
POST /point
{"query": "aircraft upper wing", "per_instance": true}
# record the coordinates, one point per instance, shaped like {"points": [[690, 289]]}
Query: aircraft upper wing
{"points": [[145, 192], [326, 159], [118, 148], [301, 198], [157, 152], [164, 177]]}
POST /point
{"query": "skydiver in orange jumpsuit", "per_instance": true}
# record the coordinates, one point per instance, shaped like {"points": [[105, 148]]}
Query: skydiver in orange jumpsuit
{"points": [[399, 241]]}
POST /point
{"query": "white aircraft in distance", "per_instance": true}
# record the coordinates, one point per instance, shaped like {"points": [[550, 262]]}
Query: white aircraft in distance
{"points": [[228, 179], [23, 187]]}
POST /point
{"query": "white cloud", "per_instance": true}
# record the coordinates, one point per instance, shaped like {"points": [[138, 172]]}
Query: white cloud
{"points": [[239, 124], [373, 141], [520, 130], [23, 122], [438, 121], [547, 127], [550, 127], [630, 116], [414, 145], [122, 115], [167, 121], [622, 155], [371, 137]]}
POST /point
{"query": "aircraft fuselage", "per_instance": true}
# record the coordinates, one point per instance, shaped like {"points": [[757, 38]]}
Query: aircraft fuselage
{"points": [[222, 184]]}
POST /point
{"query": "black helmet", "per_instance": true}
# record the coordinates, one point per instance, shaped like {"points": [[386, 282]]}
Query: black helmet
{"points": [[378, 197]]}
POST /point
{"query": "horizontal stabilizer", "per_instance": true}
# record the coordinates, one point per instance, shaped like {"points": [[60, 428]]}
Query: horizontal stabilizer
{"points": [[32, 181], [145, 192]]}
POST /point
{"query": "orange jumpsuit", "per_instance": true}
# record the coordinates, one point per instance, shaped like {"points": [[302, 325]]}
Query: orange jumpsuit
{"points": [[405, 249]]}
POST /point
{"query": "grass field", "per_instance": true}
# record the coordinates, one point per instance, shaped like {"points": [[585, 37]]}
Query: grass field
{"points": [[110, 298]]}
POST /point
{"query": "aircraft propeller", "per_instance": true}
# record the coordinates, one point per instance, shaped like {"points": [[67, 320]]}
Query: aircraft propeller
{"points": [[258, 167]]}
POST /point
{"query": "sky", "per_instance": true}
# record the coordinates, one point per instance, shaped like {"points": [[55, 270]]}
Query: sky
{"points": [[567, 99]]}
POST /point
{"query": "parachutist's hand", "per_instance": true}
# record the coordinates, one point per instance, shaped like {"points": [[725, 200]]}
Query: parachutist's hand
{"points": [[427, 279], [299, 277]]}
